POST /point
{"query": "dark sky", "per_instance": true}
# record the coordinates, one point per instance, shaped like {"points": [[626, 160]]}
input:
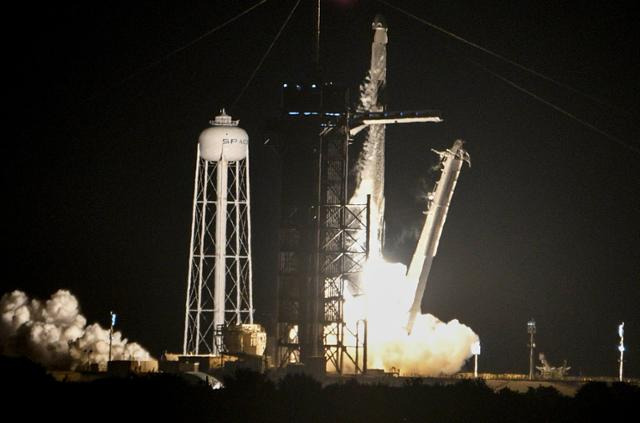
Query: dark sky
{"points": [[546, 224]]}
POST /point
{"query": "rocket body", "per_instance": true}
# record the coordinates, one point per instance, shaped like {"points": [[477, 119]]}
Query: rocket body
{"points": [[378, 69], [370, 164], [439, 200]]}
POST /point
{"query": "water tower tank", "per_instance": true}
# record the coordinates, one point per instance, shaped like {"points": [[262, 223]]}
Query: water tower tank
{"points": [[224, 140]]}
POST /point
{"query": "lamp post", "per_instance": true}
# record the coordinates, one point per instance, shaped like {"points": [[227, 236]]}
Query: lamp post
{"points": [[363, 369], [475, 350], [113, 323], [531, 329], [621, 348]]}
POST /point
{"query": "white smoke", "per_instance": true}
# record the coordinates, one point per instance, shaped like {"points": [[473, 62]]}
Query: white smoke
{"points": [[55, 334], [369, 169], [433, 348], [368, 100]]}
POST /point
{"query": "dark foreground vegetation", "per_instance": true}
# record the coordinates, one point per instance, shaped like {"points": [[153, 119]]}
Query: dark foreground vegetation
{"points": [[252, 397]]}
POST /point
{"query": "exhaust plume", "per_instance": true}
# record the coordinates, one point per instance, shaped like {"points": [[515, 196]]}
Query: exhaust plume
{"points": [[55, 334], [433, 348]]}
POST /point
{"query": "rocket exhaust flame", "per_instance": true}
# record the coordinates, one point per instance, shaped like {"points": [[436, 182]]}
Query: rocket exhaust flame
{"points": [[55, 334]]}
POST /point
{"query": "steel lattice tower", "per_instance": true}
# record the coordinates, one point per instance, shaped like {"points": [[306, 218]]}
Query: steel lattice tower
{"points": [[219, 288], [321, 250], [341, 252]]}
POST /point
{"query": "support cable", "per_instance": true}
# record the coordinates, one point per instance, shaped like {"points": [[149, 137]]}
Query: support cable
{"points": [[522, 89], [257, 68], [507, 60], [155, 63], [557, 108]]}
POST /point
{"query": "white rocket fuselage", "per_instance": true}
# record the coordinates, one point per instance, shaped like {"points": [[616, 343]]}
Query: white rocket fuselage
{"points": [[370, 175], [439, 201], [378, 69]]}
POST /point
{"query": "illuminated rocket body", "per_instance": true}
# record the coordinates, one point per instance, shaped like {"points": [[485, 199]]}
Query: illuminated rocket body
{"points": [[378, 68], [451, 162], [370, 177]]}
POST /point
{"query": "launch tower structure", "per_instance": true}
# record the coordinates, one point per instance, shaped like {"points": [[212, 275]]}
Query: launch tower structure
{"points": [[311, 327], [219, 288]]}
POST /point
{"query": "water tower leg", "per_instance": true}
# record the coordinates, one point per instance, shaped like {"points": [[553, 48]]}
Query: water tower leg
{"points": [[219, 292]]}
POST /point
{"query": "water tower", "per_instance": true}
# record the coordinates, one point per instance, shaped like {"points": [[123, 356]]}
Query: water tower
{"points": [[219, 289]]}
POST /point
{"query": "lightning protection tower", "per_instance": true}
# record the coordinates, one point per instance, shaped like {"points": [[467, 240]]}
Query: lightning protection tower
{"points": [[219, 290]]}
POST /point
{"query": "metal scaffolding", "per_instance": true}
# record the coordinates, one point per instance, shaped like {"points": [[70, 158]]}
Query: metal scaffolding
{"points": [[322, 248], [291, 276], [219, 290], [341, 250]]}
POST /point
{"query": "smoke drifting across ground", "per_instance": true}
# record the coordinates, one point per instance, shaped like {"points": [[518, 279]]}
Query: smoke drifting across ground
{"points": [[55, 334]]}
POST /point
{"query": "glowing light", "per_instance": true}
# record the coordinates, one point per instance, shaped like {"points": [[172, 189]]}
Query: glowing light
{"points": [[621, 330], [475, 348], [433, 348], [621, 349]]}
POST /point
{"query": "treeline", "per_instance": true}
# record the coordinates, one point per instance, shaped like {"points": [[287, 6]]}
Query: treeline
{"points": [[253, 397]]}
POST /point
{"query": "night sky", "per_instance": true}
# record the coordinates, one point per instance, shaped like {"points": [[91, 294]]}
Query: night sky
{"points": [[100, 152]]}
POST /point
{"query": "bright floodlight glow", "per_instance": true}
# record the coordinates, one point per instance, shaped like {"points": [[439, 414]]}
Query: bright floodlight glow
{"points": [[621, 330]]}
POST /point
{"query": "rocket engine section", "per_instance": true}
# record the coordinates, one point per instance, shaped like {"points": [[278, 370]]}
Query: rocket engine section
{"points": [[451, 161]]}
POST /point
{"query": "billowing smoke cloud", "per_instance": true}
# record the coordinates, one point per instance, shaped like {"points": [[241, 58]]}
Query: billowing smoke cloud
{"points": [[433, 348], [55, 334]]}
